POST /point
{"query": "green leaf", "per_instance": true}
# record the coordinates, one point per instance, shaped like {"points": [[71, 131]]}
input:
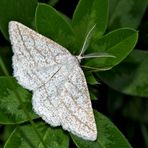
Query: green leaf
{"points": [[131, 76], [92, 95], [22, 11], [145, 134], [93, 90], [115, 101], [53, 25], [6, 132], [53, 2], [25, 137], [108, 135], [87, 14], [90, 78], [5, 52], [118, 43], [134, 108], [125, 13], [11, 111]]}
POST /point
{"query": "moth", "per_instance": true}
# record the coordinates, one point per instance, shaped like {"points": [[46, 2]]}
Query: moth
{"points": [[53, 74]]}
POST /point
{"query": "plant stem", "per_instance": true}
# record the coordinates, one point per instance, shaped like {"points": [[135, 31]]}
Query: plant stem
{"points": [[2, 65]]}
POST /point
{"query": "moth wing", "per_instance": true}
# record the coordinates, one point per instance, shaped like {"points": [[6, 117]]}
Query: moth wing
{"points": [[67, 102], [60, 93], [34, 56]]}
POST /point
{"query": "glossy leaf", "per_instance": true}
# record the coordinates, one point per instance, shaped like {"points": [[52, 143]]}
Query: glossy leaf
{"points": [[118, 43], [125, 13], [108, 135], [22, 11], [11, 111], [131, 76], [53, 25], [87, 14], [25, 137]]}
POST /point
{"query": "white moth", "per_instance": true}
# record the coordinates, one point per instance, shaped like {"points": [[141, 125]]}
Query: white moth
{"points": [[60, 92]]}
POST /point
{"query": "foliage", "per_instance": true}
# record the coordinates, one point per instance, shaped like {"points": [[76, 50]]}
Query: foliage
{"points": [[24, 136], [114, 63], [108, 137]]}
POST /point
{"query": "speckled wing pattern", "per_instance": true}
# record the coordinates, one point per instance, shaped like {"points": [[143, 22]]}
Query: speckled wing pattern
{"points": [[60, 93]]}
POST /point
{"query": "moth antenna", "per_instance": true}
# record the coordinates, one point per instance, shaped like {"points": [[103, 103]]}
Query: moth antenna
{"points": [[85, 44]]}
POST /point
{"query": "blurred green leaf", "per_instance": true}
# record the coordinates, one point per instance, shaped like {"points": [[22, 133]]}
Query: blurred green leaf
{"points": [[11, 111], [145, 134], [90, 78], [125, 13], [18, 10], [131, 76], [53, 2], [7, 130], [134, 108], [93, 91], [6, 53], [92, 95], [25, 137], [53, 25], [87, 14], [108, 135], [118, 43], [128, 107], [115, 101]]}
